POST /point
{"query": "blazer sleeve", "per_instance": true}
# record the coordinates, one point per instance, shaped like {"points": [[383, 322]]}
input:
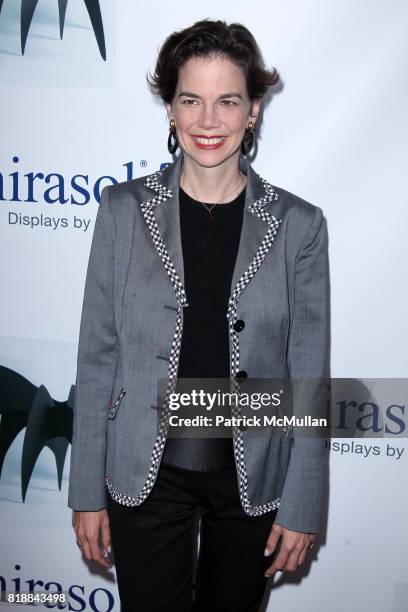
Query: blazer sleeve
{"points": [[308, 356], [96, 365]]}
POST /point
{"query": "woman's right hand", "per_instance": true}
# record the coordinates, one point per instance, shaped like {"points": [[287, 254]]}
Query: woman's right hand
{"points": [[91, 529]]}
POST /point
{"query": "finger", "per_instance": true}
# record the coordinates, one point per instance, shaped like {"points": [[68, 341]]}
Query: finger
{"points": [[106, 539], [84, 547], [272, 540], [292, 561], [279, 563], [96, 553], [105, 535], [302, 556]]}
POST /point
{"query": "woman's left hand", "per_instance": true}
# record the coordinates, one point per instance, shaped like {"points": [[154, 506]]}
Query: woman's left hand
{"points": [[292, 549]]}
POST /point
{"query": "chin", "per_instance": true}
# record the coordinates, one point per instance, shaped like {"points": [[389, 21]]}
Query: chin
{"points": [[210, 159]]}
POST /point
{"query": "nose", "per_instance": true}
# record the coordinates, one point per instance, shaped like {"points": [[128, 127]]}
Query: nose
{"points": [[208, 117]]}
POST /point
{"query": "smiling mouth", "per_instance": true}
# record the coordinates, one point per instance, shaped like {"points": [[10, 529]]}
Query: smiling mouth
{"points": [[204, 141]]}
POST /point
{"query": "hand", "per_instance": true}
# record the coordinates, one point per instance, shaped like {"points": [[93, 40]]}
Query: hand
{"points": [[292, 549], [88, 527]]}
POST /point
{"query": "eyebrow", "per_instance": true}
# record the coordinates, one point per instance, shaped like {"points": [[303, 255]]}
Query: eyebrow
{"points": [[232, 94]]}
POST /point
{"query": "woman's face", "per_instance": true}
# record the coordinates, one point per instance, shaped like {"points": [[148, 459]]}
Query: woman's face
{"points": [[211, 108]]}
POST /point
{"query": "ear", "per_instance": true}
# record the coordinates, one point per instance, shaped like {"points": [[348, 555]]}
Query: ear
{"points": [[169, 111], [255, 108]]}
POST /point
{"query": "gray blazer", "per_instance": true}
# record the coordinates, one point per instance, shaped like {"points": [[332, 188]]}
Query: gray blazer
{"points": [[132, 324]]}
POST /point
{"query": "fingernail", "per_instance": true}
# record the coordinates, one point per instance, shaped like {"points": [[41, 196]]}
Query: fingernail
{"points": [[267, 552], [109, 548]]}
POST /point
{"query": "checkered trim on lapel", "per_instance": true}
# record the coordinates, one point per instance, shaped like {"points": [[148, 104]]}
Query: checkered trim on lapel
{"points": [[273, 222], [258, 208]]}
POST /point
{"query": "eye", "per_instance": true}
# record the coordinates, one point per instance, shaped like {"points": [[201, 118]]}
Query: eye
{"points": [[228, 103], [190, 101]]}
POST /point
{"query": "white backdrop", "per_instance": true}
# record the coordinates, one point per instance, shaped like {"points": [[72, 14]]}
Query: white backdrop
{"points": [[335, 135]]}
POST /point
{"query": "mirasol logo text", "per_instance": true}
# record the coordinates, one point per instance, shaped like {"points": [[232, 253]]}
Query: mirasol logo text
{"points": [[54, 188]]}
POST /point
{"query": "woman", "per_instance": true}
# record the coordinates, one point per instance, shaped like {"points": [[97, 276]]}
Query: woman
{"points": [[204, 270]]}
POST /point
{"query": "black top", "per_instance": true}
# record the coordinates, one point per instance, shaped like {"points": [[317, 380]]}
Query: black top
{"points": [[210, 248]]}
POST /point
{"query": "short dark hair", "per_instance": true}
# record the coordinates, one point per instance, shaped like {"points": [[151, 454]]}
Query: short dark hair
{"points": [[205, 38]]}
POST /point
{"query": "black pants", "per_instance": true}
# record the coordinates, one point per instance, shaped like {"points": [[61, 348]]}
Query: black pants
{"points": [[153, 546]]}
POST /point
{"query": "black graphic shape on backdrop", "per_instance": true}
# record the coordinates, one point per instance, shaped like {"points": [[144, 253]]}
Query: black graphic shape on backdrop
{"points": [[47, 422], [94, 11]]}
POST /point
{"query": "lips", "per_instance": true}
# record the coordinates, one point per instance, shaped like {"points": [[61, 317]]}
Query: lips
{"points": [[205, 142]]}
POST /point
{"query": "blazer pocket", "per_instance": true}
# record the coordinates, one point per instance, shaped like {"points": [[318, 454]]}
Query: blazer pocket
{"points": [[114, 406]]}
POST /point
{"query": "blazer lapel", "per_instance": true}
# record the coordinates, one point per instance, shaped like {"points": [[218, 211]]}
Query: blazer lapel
{"points": [[163, 218], [259, 226]]}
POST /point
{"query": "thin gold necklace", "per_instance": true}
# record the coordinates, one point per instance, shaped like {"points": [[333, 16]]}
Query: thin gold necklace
{"points": [[209, 206]]}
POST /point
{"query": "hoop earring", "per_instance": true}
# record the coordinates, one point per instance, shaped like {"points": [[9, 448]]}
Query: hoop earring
{"points": [[172, 141], [248, 139]]}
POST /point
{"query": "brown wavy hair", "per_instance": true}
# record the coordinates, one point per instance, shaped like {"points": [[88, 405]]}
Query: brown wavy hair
{"points": [[205, 38]]}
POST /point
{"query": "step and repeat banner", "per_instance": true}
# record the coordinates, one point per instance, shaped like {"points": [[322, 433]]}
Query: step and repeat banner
{"points": [[76, 115]]}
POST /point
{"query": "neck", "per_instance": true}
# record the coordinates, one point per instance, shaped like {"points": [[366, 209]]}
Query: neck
{"points": [[212, 184]]}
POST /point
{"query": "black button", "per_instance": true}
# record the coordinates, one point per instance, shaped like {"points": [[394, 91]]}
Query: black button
{"points": [[241, 375], [239, 325]]}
